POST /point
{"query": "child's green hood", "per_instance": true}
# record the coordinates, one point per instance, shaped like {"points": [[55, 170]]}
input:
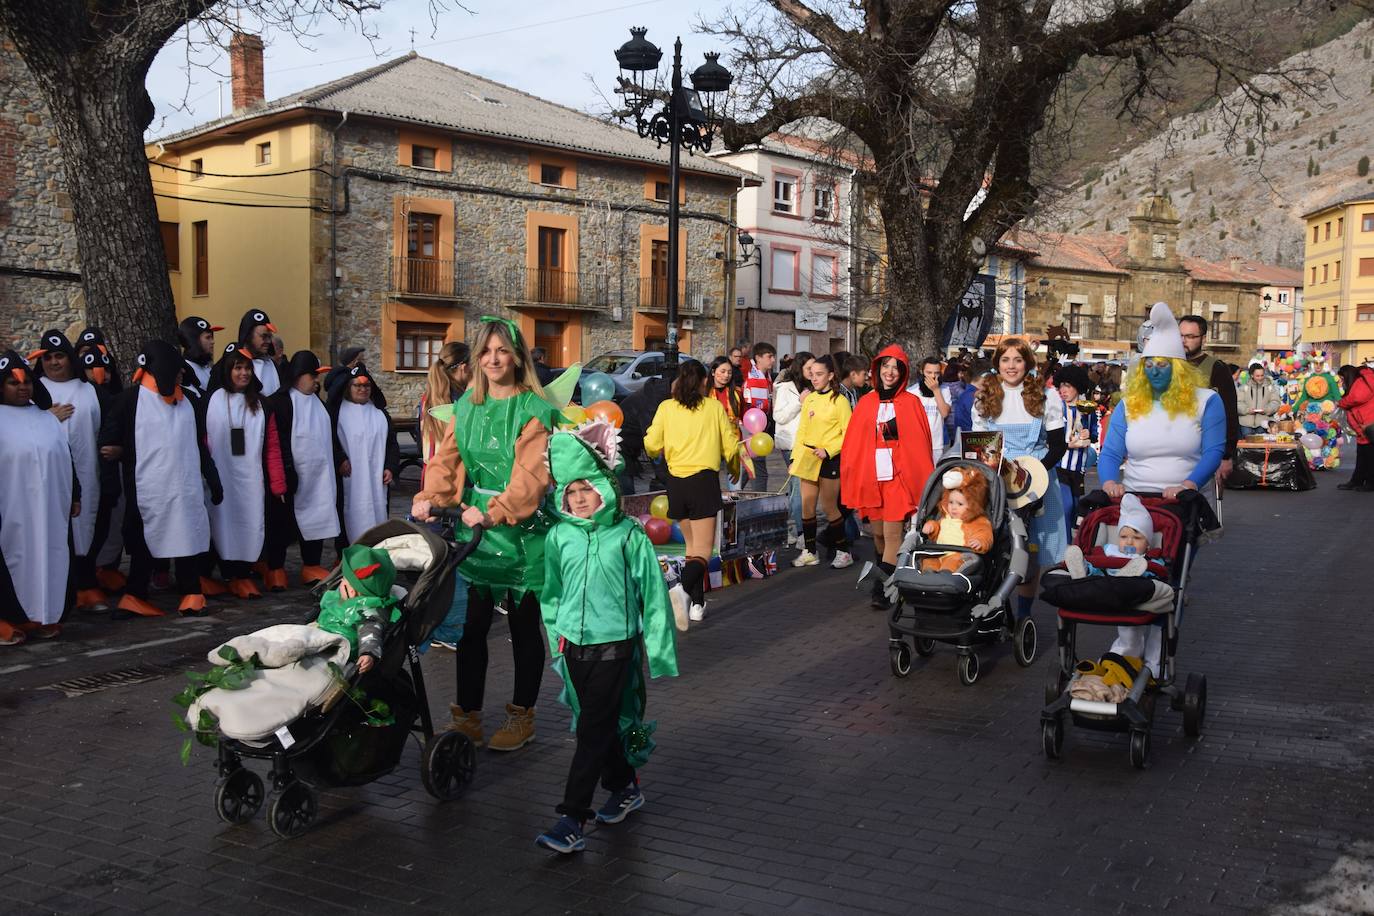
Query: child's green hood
{"points": [[571, 458]]}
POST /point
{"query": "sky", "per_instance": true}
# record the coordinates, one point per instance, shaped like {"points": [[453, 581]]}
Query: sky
{"points": [[547, 49]]}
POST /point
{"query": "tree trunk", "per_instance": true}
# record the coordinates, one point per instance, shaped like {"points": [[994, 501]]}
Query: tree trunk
{"points": [[918, 300]]}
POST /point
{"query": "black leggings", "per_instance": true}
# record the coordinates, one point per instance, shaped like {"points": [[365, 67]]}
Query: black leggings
{"points": [[526, 646], [599, 754], [282, 532], [142, 562], [1364, 464]]}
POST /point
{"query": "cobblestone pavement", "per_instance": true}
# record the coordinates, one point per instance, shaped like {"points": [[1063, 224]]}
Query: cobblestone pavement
{"points": [[793, 773]]}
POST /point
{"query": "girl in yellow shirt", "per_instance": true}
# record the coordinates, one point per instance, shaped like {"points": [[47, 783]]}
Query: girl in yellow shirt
{"points": [[694, 435], [816, 459]]}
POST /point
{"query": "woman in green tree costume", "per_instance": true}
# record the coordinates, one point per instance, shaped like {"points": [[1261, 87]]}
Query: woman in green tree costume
{"points": [[491, 463]]}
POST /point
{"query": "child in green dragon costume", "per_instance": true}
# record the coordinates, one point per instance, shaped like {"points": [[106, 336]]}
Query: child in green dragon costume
{"points": [[605, 606], [362, 607]]}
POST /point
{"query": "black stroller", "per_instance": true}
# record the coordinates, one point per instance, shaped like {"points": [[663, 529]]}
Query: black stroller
{"points": [[1102, 601], [968, 608], [336, 745]]}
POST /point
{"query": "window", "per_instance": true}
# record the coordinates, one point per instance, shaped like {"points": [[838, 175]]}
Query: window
{"points": [[823, 279], [263, 156], [197, 169], [1316, 233], [1367, 222], [418, 345], [551, 174], [785, 270], [1367, 267], [1076, 316], [200, 239], [1280, 329], [1314, 275], [824, 202], [662, 190], [171, 244], [423, 157], [784, 194], [424, 272], [1327, 237], [1283, 297], [1338, 271], [1326, 272], [1364, 311], [1340, 226]]}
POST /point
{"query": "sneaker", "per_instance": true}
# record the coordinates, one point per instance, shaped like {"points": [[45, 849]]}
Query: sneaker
{"points": [[443, 644], [1074, 562], [677, 595], [843, 560], [697, 613], [620, 805], [806, 558], [798, 542], [564, 836], [1135, 566]]}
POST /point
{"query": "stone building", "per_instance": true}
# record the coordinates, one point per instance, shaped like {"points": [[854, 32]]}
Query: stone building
{"points": [[40, 283], [1101, 286], [393, 207]]}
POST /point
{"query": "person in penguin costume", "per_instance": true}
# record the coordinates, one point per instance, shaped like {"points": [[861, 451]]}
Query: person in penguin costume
{"points": [[365, 451], [243, 440], [255, 334], [97, 361], [77, 404], [197, 338], [39, 496], [310, 512], [161, 437]]}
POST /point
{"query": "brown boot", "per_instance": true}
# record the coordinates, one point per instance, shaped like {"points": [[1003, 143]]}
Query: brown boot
{"points": [[467, 723], [517, 731]]}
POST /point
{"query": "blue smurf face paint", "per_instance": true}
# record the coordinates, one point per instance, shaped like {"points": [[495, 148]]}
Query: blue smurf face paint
{"points": [[1160, 372]]}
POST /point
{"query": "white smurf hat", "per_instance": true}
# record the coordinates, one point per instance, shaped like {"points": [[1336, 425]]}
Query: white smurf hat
{"points": [[1164, 339], [1135, 515]]}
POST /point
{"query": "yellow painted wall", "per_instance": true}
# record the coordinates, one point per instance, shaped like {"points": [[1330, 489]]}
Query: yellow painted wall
{"points": [[258, 258]]}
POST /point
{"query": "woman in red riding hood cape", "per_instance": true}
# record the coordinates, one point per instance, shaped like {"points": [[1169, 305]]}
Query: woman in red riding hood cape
{"points": [[886, 459]]}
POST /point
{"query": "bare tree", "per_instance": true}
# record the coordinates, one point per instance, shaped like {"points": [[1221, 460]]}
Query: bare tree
{"points": [[962, 107], [90, 59]]}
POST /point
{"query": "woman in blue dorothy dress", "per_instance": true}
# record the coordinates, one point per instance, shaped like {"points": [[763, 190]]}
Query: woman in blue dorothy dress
{"points": [[1030, 418]]}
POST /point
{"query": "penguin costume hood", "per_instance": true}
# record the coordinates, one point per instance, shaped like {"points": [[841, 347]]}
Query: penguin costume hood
{"points": [[219, 375], [54, 341], [189, 332], [95, 359], [251, 321], [159, 369], [12, 364], [303, 362], [339, 394]]}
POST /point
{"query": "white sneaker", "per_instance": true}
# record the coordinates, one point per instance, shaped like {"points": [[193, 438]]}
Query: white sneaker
{"points": [[697, 613], [1135, 566], [798, 542], [806, 558], [1074, 563], [843, 560], [678, 596]]}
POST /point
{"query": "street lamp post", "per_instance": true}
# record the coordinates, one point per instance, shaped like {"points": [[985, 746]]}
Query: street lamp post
{"points": [[688, 120]]}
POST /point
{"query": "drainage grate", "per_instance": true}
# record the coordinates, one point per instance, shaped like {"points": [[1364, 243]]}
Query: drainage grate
{"points": [[123, 677]]}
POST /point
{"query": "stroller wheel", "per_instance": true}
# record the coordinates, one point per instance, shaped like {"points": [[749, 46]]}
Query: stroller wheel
{"points": [[1140, 748], [1194, 704], [899, 658], [1052, 737], [238, 796], [1023, 642], [1054, 687], [292, 810], [447, 765], [968, 669], [925, 647]]}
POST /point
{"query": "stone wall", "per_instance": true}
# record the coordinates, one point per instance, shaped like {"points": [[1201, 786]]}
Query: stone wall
{"points": [[491, 194], [39, 282]]}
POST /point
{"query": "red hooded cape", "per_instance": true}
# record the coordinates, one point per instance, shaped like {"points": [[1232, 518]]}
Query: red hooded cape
{"points": [[911, 451]]}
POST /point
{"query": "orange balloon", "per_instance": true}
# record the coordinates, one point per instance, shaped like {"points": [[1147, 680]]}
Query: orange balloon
{"points": [[606, 410]]}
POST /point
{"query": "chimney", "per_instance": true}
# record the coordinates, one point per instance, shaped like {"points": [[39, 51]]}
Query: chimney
{"points": [[245, 68]]}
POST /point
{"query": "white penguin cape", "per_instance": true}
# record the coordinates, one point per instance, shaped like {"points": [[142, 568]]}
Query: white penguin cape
{"points": [[82, 428], [363, 429], [316, 499], [35, 509], [238, 522], [167, 477]]}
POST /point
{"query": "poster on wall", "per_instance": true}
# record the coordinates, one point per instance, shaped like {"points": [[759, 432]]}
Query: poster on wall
{"points": [[972, 319], [811, 317]]}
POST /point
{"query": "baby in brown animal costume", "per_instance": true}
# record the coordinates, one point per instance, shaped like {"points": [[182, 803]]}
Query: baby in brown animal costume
{"points": [[963, 520]]}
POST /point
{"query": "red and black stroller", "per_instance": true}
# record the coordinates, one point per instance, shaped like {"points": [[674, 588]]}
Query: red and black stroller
{"points": [[1134, 601]]}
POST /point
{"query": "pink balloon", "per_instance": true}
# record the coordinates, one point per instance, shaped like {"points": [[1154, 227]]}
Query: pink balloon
{"points": [[755, 420]]}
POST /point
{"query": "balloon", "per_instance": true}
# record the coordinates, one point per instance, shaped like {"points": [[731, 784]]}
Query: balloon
{"points": [[1309, 441], [675, 534], [761, 444], [658, 507], [597, 386], [755, 420], [606, 410], [574, 414], [658, 530]]}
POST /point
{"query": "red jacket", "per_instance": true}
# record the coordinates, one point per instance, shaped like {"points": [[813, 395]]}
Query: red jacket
{"points": [[911, 449], [1358, 404]]}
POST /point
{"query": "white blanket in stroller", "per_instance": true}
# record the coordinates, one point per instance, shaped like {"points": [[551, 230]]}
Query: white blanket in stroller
{"points": [[296, 677]]}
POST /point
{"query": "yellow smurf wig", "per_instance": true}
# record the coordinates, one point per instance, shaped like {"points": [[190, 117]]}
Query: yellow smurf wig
{"points": [[1179, 400]]}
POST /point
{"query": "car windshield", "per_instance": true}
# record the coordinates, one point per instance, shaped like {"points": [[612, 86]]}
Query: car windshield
{"points": [[610, 363]]}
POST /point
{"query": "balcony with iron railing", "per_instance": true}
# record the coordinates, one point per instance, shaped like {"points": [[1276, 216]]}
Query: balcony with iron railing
{"points": [[429, 278], [1090, 327], [652, 296], [560, 288], [1223, 334]]}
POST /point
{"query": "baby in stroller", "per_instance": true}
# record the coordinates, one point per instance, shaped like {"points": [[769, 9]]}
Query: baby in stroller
{"points": [[963, 520], [363, 605], [1134, 534]]}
